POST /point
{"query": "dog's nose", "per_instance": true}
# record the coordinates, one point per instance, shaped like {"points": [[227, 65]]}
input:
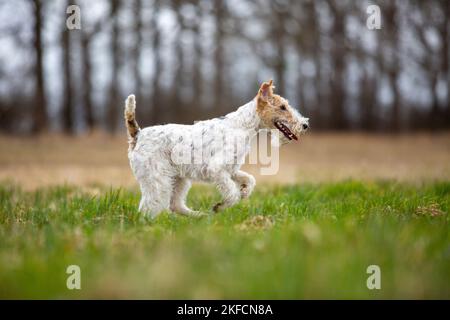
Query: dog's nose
{"points": [[305, 126]]}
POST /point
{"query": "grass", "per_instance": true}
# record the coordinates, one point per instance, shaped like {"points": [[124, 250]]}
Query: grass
{"points": [[306, 241]]}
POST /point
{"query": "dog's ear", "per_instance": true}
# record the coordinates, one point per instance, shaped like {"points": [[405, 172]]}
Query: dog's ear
{"points": [[266, 90]]}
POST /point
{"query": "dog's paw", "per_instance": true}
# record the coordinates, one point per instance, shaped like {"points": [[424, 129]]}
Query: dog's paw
{"points": [[245, 191], [217, 207]]}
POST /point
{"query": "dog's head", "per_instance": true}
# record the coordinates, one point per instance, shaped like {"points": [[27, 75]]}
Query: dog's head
{"points": [[275, 112]]}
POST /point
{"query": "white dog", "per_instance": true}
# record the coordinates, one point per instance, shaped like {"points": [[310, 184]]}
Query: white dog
{"points": [[165, 158]]}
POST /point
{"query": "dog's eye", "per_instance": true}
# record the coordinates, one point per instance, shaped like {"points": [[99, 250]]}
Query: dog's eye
{"points": [[283, 107]]}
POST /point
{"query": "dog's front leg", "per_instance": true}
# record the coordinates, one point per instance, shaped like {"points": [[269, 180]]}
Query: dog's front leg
{"points": [[229, 191], [246, 183]]}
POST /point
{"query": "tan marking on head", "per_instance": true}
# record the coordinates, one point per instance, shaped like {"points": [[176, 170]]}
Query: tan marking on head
{"points": [[271, 107]]}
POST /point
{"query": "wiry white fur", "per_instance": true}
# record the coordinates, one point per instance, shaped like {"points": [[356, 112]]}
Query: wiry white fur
{"points": [[165, 183]]}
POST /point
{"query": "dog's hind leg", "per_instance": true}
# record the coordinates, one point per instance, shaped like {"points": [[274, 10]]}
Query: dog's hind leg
{"points": [[156, 192], [178, 200]]}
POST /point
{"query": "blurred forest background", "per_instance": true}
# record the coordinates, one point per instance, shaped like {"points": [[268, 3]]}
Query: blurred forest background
{"points": [[195, 59]]}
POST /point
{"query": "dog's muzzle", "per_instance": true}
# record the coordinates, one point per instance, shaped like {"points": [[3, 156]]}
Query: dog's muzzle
{"points": [[285, 130]]}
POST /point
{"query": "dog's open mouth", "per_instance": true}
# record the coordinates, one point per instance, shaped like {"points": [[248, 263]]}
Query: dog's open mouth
{"points": [[285, 130]]}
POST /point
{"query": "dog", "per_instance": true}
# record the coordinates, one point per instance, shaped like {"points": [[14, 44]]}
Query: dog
{"points": [[164, 180]]}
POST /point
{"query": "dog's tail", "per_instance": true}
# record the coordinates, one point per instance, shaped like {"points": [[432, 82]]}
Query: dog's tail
{"points": [[130, 121]]}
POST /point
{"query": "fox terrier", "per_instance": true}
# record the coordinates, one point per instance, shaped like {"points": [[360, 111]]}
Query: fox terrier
{"points": [[220, 146]]}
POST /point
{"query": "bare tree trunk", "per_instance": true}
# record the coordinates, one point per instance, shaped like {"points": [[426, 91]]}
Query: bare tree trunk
{"points": [[317, 113], [301, 50], [67, 108], [280, 66], [87, 83], [446, 50], [219, 57], [136, 54], [395, 114], [278, 39], [444, 31], [114, 103], [156, 106], [390, 14], [435, 110], [196, 72], [40, 109], [338, 115], [176, 101], [367, 101]]}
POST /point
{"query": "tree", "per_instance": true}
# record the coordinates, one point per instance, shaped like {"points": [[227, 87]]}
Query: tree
{"points": [[444, 31], [87, 82], [176, 101], [434, 59], [68, 103], [338, 55], [219, 13], [113, 105], [136, 54], [156, 39], [197, 60], [40, 108], [391, 63], [308, 45], [279, 15]]}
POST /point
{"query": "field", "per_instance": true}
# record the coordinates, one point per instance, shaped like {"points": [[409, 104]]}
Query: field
{"points": [[363, 201]]}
